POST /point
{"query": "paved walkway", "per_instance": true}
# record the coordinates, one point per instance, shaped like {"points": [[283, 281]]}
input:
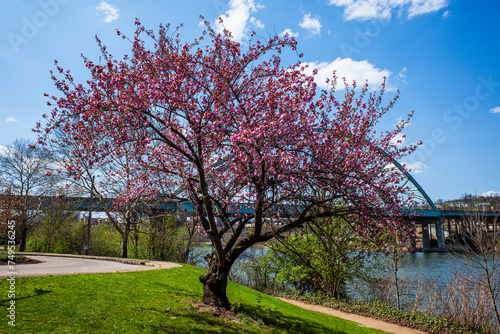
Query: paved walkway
{"points": [[364, 321], [62, 264]]}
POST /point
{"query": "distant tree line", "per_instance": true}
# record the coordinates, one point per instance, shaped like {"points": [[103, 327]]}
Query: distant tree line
{"points": [[28, 172], [471, 202]]}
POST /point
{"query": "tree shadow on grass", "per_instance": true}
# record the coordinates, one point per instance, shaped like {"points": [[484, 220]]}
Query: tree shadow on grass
{"points": [[283, 322], [178, 291], [205, 321], [38, 292], [261, 317]]}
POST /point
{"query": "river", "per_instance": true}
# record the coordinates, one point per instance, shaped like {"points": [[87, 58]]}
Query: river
{"points": [[440, 267], [434, 266]]}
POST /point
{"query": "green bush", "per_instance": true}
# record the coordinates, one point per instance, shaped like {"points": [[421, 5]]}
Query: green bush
{"points": [[321, 258], [52, 236], [105, 241]]}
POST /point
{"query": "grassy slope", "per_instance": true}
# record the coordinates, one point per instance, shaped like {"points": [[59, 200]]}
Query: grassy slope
{"points": [[139, 302]]}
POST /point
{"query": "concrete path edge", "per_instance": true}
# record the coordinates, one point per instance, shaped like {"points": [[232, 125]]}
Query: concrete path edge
{"points": [[160, 264], [361, 320]]}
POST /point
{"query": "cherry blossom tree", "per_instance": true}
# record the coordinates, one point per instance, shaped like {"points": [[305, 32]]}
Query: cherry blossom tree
{"points": [[247, 140]]}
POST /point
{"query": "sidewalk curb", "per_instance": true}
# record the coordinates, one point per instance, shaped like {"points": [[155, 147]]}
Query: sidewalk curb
{"points": [[159, 264]]}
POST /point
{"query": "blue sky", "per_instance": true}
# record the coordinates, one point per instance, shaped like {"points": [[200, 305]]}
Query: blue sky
{"points": [[442, 55]]}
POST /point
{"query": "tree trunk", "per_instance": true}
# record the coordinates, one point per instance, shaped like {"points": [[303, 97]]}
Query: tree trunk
{"points": [[136, 237], [185, 256], [22, 245], [214, 286], [125, 235]]}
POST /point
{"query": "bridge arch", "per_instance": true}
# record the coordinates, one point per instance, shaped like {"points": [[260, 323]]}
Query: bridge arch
{"points": [[415, 188]]}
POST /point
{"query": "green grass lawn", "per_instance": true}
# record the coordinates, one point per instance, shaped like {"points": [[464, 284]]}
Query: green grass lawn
{"points": [[157, 301]]}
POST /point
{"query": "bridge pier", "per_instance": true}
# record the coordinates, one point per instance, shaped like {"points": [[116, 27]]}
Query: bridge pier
{"points": [[425, 236], [440, 233], [413, 244]]}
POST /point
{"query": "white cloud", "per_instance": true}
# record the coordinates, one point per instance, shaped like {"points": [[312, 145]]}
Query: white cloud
{"points": [[398, 121], [236, 18], [399, 80], [311, 24], [382, 9], [491, 193], [420, 7], [416, 167], [3, 150], [111, 13], [289, 32], [257, 23], [10, 119], [398, 140], [360, 71], [446, 14], [402, 73], [495, 110]]}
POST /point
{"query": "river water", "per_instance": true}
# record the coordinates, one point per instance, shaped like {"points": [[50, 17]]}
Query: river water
{"points": [[439, 267], [434, 266]]}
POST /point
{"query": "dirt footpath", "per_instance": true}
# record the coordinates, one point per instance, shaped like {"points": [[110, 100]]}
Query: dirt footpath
{"points": [[364, 321]]}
